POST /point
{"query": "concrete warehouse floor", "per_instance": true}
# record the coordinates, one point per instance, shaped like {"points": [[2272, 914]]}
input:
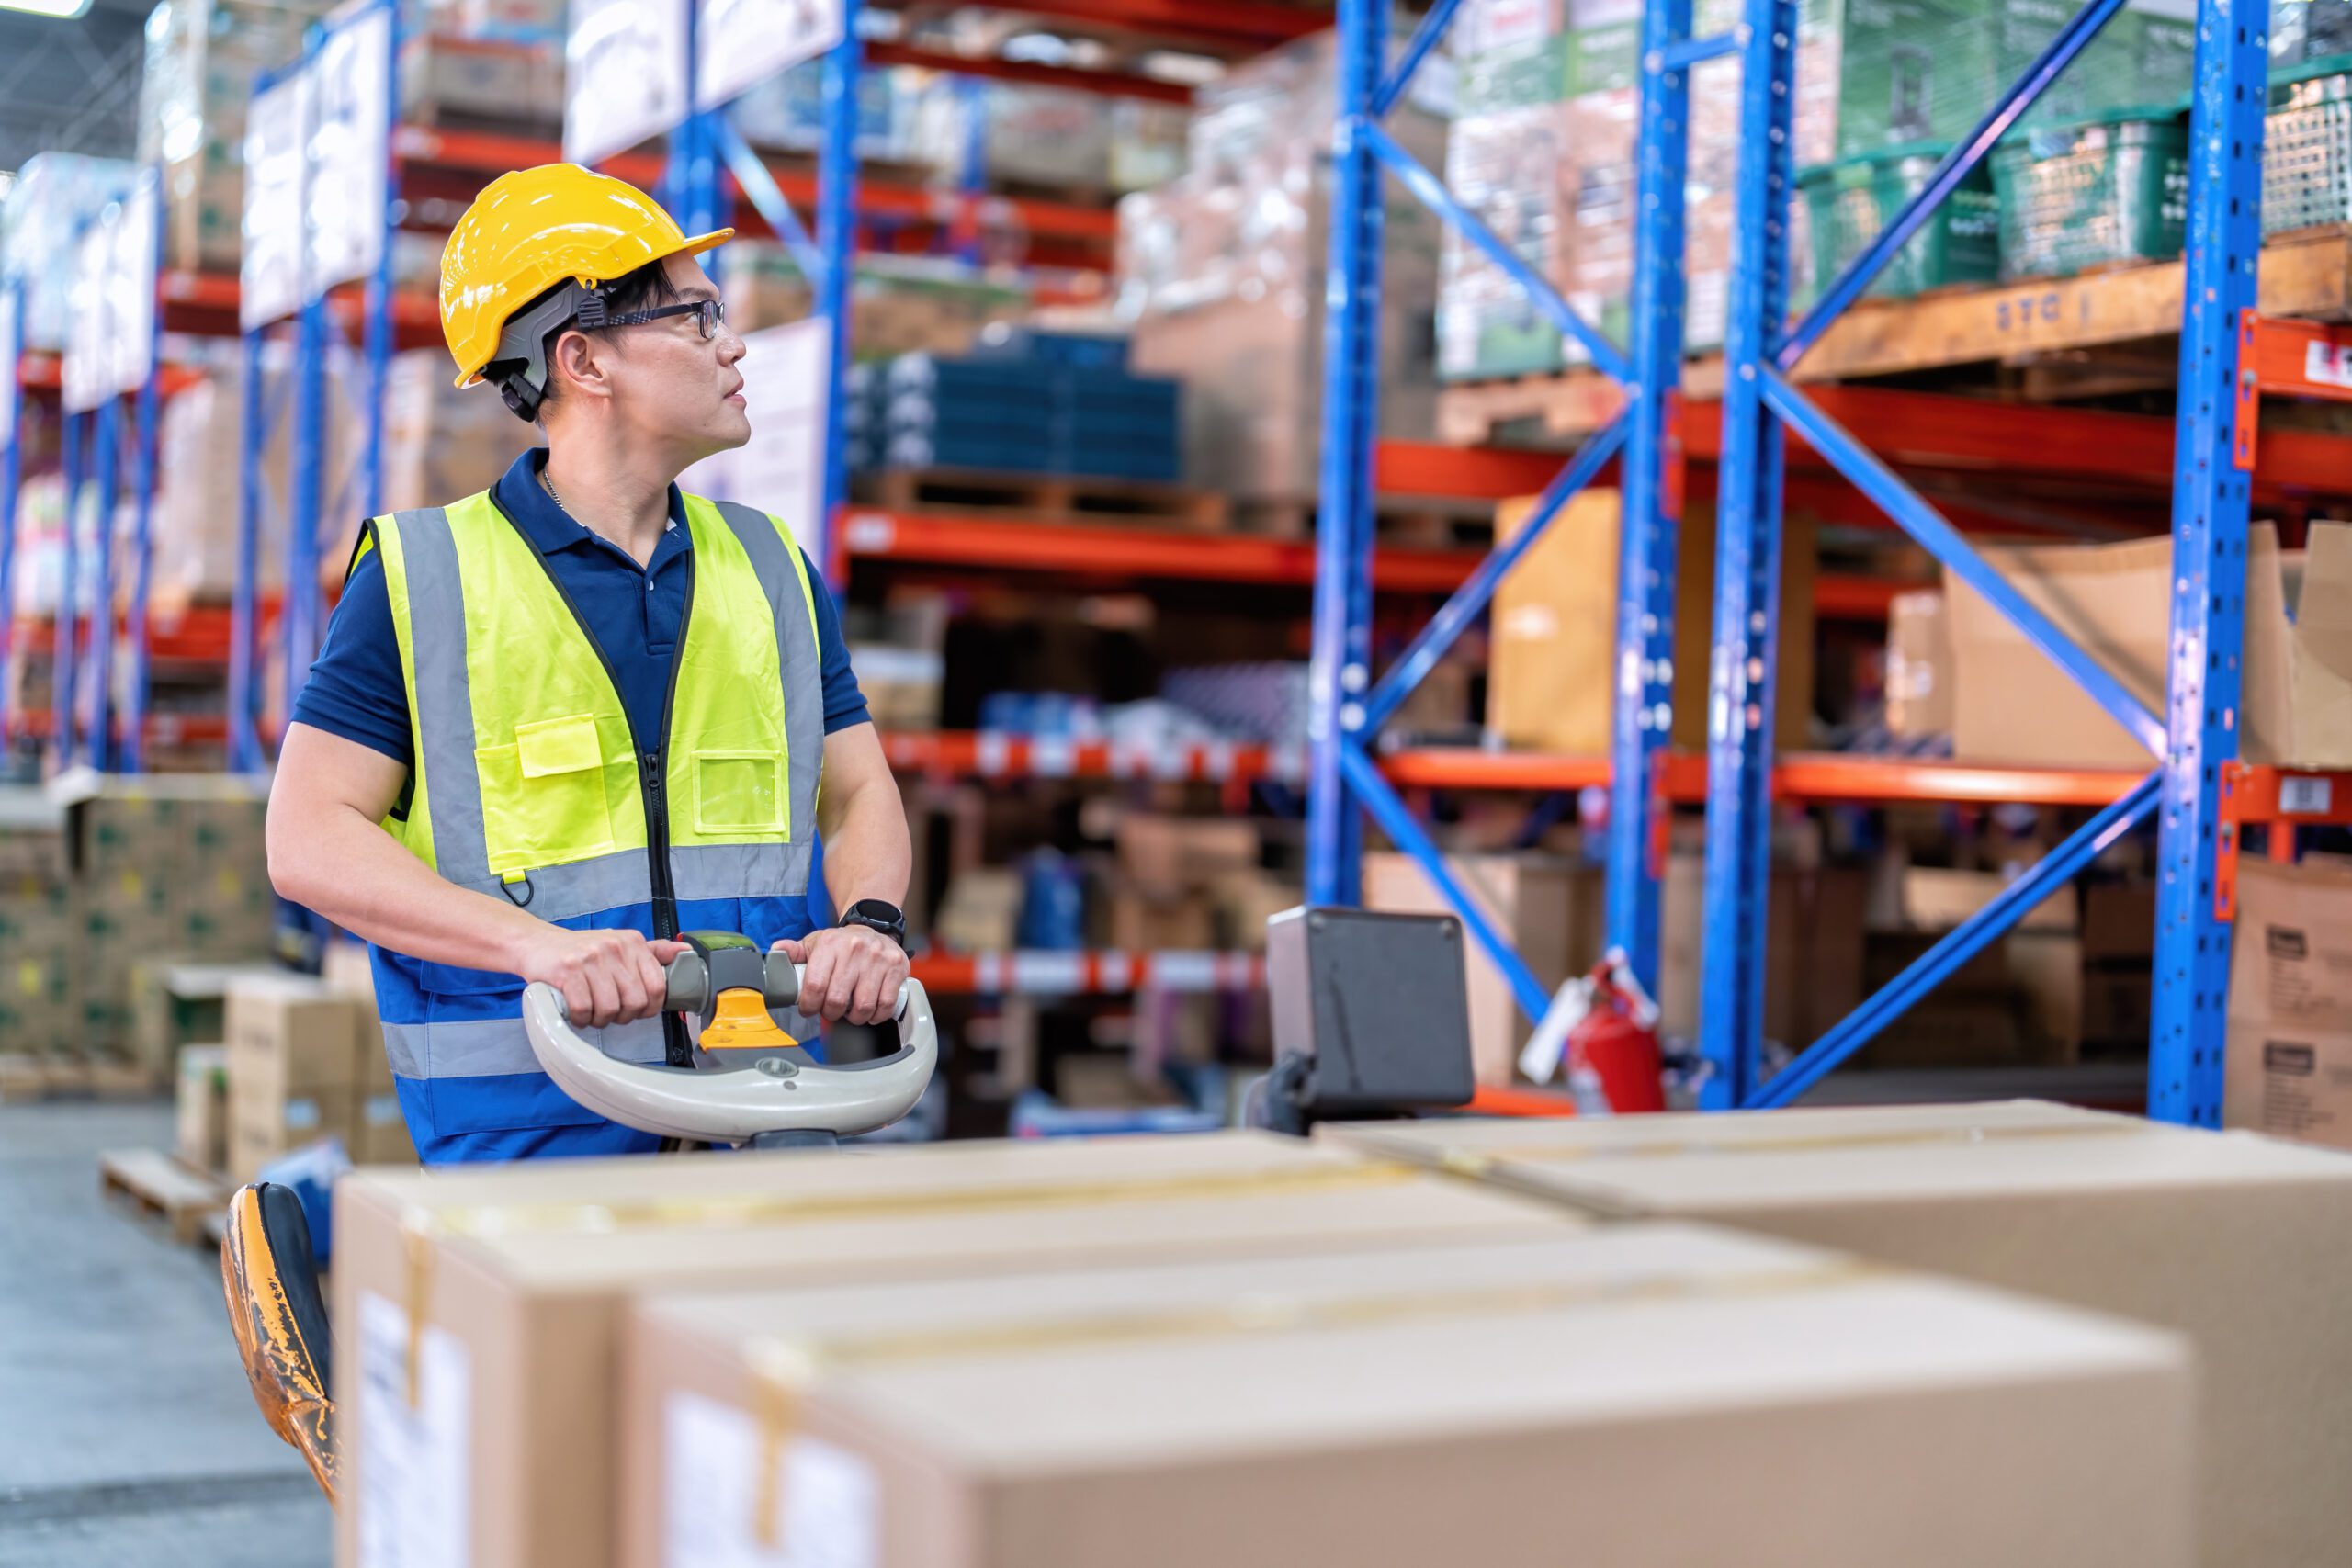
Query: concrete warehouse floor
{"points": [[127, 1433]]}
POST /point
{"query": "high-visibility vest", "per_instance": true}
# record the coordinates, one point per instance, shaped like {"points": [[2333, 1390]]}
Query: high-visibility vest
{"points": [[528, 784]]}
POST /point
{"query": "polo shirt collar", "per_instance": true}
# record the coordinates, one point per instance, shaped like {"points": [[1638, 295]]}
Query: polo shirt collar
{"points": [[549, 528]]}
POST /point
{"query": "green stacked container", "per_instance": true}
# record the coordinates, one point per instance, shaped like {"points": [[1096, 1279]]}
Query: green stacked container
{"points": [[2112, 188], [2307, 147], [1854, 199]]}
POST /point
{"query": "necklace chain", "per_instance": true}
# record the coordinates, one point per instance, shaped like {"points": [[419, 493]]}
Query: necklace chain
{"points": [[549, 485]]}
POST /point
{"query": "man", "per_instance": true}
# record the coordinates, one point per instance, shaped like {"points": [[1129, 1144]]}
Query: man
{"points": [[558, 722]]}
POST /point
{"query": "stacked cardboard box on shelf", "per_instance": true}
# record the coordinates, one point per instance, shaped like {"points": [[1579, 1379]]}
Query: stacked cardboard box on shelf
{"points": [[1155, 1300], [2234, 1240], [2115, 602], [1220, 276], [898, 304], [2289, 1065], [1551, 681], [1170, 870], [202, 58]]}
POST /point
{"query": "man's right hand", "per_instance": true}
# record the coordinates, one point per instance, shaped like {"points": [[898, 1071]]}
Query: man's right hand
{"points": [[606, 976]]}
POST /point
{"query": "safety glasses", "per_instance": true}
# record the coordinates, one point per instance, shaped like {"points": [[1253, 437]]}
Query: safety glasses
{"points": [[707, 314]]}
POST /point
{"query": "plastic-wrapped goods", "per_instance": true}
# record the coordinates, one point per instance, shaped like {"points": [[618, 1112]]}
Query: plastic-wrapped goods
{"points": [[1149, 143], [898, 304], [447, 78], [439, 442], [55, 195], [1050, 136], [786, 112], [1505, 166], [1221, 276]]}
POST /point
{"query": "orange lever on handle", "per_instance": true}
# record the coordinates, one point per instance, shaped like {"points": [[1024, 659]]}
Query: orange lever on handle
{"points": [[740, 1022]]}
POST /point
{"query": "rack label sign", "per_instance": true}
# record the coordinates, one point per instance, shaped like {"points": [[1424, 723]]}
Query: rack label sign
{"points": [[349, 146], [2302, 795], [740, 43], [269, 278], [625, 73], [2328, 364]]}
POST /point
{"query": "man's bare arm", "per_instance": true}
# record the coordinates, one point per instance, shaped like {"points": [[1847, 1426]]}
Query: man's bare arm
{"points": [[328, 851]]}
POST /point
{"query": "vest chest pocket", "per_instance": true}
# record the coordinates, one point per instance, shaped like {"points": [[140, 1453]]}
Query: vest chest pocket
{"points": [[740, 792], [543, 797]]}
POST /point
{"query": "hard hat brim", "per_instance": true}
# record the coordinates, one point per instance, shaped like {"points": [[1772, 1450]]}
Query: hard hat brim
{"points": [[696, 245]]}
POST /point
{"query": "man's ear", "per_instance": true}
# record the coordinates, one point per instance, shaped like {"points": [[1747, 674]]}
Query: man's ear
{"points": [[574, 360]]}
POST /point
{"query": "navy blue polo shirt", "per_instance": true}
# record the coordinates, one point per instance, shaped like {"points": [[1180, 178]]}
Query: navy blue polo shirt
{"points": [[632, 611]]}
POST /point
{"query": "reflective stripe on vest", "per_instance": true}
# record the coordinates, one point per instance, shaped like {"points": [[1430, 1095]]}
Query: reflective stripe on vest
{"points": [[526, 777]]}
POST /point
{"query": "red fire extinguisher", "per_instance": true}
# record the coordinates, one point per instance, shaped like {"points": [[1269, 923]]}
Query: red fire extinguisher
{"points": [[1605, 1027]]}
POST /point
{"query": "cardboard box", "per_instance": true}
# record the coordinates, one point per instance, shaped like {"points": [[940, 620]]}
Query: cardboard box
{"points": [[2289, 1064], [1168, 852], [294, 1067], [1813, 940], [378, 1131], [1936, 899], [1145, 921], [1918, 666], [1552, 676], [518, 1277], [1548, 906], [202, 1098], [1359, 1409], [2237, 1241], [2012, 706]]}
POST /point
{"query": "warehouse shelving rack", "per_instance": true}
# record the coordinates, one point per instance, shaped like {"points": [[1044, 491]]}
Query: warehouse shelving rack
{"points": [[2228, 353]]}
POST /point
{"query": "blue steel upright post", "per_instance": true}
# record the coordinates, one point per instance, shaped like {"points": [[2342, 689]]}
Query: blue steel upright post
{"points": [[379, 339], [1641, 719], [298, 621], [1342, 665], [244, 609], [837, 239], [1748, 571], [11, 476], [142, 561], [2212, 463], [107, 471], [73, 454]]}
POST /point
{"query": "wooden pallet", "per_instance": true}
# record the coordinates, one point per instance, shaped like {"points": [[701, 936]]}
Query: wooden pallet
{"points": [[2305, 275], [1430, 523], [26, 1079], [155, 1183], [1046, 498]]}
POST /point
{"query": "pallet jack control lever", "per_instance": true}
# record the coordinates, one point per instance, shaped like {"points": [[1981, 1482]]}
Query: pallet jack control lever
{"points": [[752, 1084]]}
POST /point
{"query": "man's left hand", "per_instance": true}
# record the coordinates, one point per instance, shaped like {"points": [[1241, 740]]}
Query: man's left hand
{"points": [[853, 973]]}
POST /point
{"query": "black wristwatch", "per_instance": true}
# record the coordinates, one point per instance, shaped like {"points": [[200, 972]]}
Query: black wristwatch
{"points": [[876, 915]]}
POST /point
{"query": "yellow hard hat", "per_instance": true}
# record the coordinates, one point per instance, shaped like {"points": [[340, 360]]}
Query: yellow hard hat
{"points": [[532, 230]]}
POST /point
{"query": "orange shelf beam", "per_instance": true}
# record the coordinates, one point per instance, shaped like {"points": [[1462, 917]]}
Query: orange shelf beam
{"points": [[987, 754], [1817, 778], [1098, 973]]}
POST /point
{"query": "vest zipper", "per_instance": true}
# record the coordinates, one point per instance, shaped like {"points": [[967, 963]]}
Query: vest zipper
{"points": [[677, 1048]]}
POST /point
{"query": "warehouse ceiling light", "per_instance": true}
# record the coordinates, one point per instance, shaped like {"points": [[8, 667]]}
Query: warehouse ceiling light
{"points": [[62, 9]]}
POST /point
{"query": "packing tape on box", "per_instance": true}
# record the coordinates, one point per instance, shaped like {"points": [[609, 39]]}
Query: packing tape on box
{"points": [[783, 1369], [1484, 1163], [421, 1227]]}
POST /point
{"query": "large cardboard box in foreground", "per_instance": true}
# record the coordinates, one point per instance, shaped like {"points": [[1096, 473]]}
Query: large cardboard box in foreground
{"points": [[505, 1289], [2241, 1243], [2011, 705], [1367, 1409], [2289, 1066]]}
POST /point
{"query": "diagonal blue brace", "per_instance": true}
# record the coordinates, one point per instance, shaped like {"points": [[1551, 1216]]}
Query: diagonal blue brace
{"points": [[1425, 38], [768, 198], [1396, 821], [1547, 298], [1970, 937], [1697, 51], [2071, 40], [1928, 526], [1469, 600]]}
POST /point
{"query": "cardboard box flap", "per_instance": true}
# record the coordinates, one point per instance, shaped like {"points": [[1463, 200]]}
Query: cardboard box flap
{"points": [[1866, 1157], [2323, 649]]}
